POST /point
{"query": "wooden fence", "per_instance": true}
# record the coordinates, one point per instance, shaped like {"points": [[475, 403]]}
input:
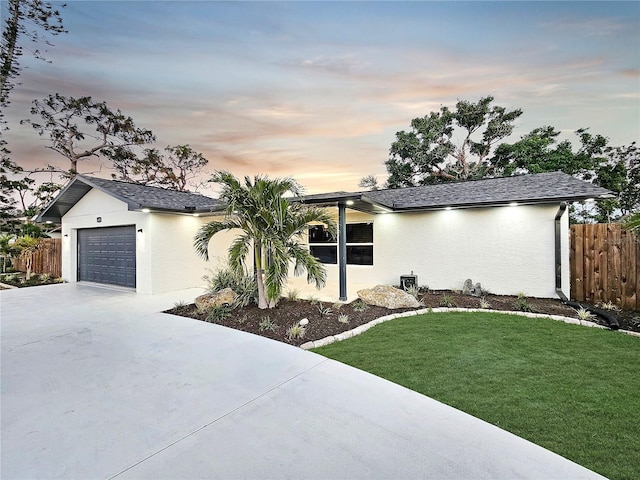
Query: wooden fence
{"points": [[47, 259], [605, 265]]}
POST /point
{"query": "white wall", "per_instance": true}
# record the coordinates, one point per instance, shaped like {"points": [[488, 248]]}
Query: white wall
{"points": [[507, 249], [165, 258]]}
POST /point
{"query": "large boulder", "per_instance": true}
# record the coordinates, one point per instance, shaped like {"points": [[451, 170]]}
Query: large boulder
{"points": [[389, 297], [214, 299]]}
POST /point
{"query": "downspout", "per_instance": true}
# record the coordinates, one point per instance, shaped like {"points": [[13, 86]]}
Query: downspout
{"points": [[558, 245], [342, 250], [610, 319]]}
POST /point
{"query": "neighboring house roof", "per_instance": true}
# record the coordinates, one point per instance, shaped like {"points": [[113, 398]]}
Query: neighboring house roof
{"points": [[552, 187], [134, 195]]}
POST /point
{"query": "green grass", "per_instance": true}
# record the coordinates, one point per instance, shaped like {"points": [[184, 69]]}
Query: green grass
{"points": [[571, 389]]}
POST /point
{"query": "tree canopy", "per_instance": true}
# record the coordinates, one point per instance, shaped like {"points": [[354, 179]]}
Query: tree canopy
{"points": [[178, 169], [80, 128], [428, 153]]}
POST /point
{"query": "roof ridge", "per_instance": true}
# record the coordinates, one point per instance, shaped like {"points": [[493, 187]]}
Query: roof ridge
{"points": [[91, 178]]}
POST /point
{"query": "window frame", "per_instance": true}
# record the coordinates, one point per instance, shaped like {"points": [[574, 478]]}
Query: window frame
{"points": [[334, 244]]}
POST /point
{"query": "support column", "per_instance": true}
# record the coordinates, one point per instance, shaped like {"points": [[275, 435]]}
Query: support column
{"points": [[342, 250]]}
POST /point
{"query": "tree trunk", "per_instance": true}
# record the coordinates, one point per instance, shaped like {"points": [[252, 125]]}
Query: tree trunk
{"points": [[262, 297], [28, 262]]}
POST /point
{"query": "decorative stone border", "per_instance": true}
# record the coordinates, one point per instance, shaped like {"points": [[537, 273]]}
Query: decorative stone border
{"points": [[7, 286], [363, 328]]}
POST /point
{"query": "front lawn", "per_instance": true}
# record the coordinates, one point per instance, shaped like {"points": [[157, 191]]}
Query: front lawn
{"points": [[571, 389]]}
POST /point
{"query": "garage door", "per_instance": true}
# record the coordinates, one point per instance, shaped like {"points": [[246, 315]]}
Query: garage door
{"points": [[107, 255]]}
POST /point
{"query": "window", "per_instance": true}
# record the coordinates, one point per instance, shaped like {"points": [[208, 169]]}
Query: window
{"points": [[324, 246]]}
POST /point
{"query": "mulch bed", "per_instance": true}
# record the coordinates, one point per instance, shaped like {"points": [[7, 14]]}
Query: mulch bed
{"points": [[326, 323]]}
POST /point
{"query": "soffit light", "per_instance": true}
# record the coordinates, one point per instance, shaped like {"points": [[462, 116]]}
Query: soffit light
{"points": [[145, 210]]}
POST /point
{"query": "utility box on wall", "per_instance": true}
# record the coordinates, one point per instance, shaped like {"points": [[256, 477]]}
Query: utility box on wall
{"points": [[407, 281]]}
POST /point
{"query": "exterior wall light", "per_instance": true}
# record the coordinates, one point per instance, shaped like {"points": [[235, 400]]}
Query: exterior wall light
{"points": [[513, 204], [139, 230], [66, 235]]}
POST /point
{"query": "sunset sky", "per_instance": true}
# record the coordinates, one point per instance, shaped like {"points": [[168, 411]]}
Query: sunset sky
{"points": [[317, 90]]}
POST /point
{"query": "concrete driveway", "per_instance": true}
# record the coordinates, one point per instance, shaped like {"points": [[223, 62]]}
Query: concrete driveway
{"points": [[97, 384]]}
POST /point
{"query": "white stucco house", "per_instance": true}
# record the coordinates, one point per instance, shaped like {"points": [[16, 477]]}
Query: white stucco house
{"points": [[510, 234]]}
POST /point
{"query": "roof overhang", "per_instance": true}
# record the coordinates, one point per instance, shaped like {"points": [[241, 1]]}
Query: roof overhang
{"points": [[72, 194], [79, 186], [354, 201]]}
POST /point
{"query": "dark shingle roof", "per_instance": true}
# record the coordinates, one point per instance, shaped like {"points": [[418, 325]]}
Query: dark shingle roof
{"points": [[135, 196], [552, 187], [533, 188], [152, 197]]}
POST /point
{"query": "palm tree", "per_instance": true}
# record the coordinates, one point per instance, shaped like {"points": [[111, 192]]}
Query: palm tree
{"points": [[271, 226]]}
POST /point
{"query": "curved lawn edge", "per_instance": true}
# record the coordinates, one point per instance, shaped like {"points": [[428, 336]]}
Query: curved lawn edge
{"points": [[363, 328]]}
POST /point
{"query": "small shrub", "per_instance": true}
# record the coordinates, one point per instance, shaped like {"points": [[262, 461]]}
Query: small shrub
{"points": [[10, 278], [295, 331], [522, 304], [313, 300], [484, 292], [447, 301], [424, 288], [59, 280], [609, 306], [337, 305], [414, 292], [584, 314], [217, 313], [267, 324], [245, 286], [360, 306], [179, 304], [322, 310], [242, 319], [45, 277], [484, 303], [293, 295], [343, 318]]}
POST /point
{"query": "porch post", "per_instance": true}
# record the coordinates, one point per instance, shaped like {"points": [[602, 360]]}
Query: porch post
{"points": [[342, 250]]}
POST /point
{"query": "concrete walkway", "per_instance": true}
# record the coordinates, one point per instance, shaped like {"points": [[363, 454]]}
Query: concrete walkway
{"points": [[97, 384]]}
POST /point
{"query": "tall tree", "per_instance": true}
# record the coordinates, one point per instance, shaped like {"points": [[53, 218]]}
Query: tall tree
{"points": [[271, 226], [178, 169], [25, 19], [428, 153], [80, 128]]}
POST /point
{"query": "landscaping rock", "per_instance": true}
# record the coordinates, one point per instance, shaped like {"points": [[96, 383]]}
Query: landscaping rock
{"points": [[389, 297], [214, 299], [468, 288]]}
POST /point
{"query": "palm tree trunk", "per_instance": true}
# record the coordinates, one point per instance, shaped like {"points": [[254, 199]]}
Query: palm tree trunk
{"points": [[262, 297]]}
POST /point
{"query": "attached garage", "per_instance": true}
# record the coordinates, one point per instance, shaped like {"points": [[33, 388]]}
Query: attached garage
{"points": [[107, 255], [130, 235]]}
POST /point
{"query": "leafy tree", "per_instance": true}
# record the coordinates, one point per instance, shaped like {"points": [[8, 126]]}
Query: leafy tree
{"points": [[27, 246], [68, 121], [369, 182], [178, 169], [620, 173], [271, 227], [633, 223], [427, 154], [7, 249]]}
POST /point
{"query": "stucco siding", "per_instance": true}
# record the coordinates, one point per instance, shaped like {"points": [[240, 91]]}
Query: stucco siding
{"points": [[508, 249]]}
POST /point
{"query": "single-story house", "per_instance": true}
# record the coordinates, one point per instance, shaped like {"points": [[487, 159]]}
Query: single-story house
{"points": [[510, 234]]}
